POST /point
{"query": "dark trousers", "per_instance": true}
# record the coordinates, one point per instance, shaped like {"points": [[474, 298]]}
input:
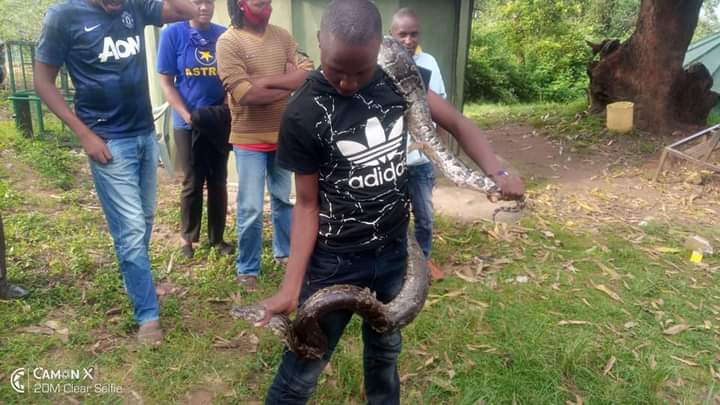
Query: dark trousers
{"points": [[380, 270], [201, 164]]}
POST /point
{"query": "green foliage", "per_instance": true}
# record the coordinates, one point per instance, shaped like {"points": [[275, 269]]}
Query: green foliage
{"points": [[709, 21], [492, 73], [714, 117], [22, 19], [524, 50], [613, 18], [537, 50]]}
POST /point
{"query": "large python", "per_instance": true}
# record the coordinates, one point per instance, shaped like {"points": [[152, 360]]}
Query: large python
{"points": [[303, 334]]}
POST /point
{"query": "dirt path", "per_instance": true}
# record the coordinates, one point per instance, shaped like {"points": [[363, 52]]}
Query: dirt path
{"points": [[536, 158], [606, 181]]}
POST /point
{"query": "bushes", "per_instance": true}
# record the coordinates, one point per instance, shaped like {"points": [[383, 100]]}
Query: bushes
{"points": [[491, 72], [549, 71], [525, 50]]}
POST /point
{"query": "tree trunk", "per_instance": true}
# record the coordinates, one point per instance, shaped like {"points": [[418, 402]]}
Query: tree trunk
{"points": [[647, 69]]}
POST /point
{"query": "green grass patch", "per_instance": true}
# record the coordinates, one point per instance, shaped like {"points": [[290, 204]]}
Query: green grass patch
{"points": [[56, 164], [569, 122], [489, 115], [8, 196], [546, 313]]}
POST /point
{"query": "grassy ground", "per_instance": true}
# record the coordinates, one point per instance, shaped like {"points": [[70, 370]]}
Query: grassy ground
{"points": [[546, 311], [569, 123]]}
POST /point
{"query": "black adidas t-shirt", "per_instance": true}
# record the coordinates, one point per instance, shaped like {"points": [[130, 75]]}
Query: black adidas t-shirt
{"points": [[357, 145]]}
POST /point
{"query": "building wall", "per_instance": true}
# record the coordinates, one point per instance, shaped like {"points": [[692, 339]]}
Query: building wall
{"points": [[281, 15], [442, 23]]}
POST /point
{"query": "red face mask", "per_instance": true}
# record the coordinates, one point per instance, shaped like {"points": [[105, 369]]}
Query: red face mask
{"points": [[260, 19]]}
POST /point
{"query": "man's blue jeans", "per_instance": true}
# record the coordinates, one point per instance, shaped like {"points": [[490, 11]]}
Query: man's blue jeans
{"points": [[381, 270], [421, 180], [253, 168], [126, 187]]}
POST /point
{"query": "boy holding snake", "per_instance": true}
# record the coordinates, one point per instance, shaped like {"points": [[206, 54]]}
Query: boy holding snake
{"points": [[343, 136]]}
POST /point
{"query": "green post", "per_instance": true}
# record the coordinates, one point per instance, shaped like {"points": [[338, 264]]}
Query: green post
{"points": [[37, 106], [11, 70], [23, 117]]}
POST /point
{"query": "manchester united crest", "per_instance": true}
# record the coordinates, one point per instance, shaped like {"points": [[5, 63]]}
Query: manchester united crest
{"points": [[127, 20]]}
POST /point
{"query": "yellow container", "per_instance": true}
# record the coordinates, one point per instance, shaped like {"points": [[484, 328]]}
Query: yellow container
{"points": [[620, 117]]}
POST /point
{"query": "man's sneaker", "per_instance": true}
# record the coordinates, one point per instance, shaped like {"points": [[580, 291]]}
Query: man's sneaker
{"points": [[247, 283], [435, 273], [224, 248], [281, 261], [150, 334]]}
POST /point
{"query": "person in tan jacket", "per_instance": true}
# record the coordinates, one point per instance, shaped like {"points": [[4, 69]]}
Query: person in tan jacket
{"points": [[260, 66]]}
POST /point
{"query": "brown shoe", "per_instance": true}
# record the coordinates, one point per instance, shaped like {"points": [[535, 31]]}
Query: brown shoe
{"points": [[248, 283], [435, 273], [150, 334]]}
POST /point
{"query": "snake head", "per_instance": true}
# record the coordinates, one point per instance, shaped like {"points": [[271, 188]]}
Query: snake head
{"points": [[253, 313], [278, 324]]}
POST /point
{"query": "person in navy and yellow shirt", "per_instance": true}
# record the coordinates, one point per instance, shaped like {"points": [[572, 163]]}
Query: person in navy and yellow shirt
{"points": [[189, 79], [102, 45]]}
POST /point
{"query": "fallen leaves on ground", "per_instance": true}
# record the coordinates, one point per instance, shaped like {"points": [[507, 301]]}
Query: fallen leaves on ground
{"points": [[674, 330], [167, 288], [246, 342], [688, 362], [49, 328], [571, 322], [610, 364], [612, 294]]}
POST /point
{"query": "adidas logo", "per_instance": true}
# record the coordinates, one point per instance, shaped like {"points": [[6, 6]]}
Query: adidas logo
{"points": [[380, 150]]}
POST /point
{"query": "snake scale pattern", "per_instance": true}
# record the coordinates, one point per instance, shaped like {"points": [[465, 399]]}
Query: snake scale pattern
{"points": [[303, 334]]}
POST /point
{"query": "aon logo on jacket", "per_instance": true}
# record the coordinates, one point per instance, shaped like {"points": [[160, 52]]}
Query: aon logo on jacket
{"points": [[120, 49]]}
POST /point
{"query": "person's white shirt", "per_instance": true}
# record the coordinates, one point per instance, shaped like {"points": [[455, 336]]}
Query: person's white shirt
{"points": [[427, 61]]}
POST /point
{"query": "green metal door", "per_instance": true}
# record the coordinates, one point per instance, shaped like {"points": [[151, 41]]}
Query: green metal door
{"points": [[306, 16], [445, 32], [438, 20]]}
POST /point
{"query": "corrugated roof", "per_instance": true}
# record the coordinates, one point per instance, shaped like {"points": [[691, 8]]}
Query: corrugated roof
{"points": [[707, 52]]}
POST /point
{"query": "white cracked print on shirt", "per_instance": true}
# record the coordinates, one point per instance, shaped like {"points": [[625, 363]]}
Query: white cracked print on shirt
{"points": [[376, 159]]}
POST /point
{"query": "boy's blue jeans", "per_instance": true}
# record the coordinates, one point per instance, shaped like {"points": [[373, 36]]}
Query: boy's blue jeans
{"points": [[421, 180], [253, 168], [126, 187], [381, 270]]}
